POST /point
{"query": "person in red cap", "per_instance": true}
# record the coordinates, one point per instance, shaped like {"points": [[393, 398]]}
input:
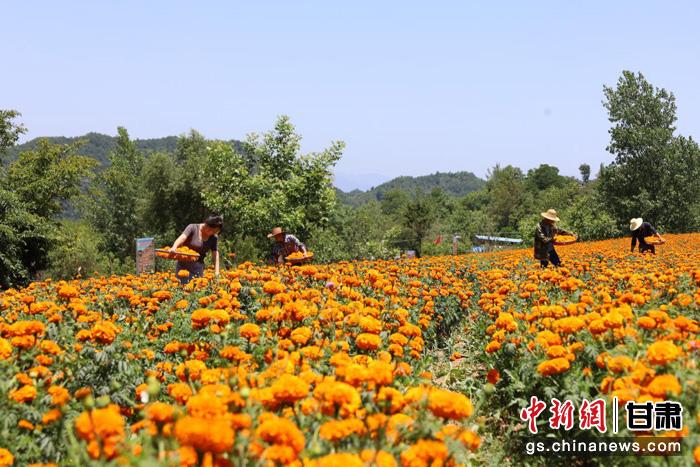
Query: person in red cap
{"points": [[285, 245]]}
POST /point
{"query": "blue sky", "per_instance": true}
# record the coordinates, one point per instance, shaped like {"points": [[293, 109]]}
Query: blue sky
{"points": [[411, 87]]}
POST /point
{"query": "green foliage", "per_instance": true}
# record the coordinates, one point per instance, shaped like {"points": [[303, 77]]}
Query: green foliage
{"points": [[114, 210], [455, 184], [418, 219], [9, 130], [271, 183], [585, 170], [45, 178], [655, 175], [77, 253], [506, 192], [24, 236], [543, 177]]}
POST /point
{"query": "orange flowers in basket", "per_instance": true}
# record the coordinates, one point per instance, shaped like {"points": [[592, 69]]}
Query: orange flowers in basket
{"points": [[564, 239], [183, 253], [653, 240]]}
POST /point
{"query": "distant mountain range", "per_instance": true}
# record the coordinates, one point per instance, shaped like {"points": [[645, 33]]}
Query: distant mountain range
{"points": [[98, 146]]}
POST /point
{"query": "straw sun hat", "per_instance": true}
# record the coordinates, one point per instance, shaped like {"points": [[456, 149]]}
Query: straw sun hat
{"points": [[636, 223], [275, 231], [551, 214]]}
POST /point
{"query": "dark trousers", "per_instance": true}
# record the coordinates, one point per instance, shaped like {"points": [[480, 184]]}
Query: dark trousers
{"points": [[647, 247], [195, 268], [553, 257]]}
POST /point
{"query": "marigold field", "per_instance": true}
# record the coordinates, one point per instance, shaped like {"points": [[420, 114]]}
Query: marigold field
{"points": [[411, 362]]}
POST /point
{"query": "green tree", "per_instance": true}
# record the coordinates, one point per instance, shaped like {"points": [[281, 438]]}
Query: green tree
{"points": [[9, 130], [117, 192], [506, 193], [543, 177], [271, 183], [650, 161], [419, 216], [585, 170], [394, 202], [33, 193]]}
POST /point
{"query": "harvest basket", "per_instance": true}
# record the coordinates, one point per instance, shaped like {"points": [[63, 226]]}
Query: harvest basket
{"points": [[299, 258], [177, 256], [653, 241], [564, 239]]}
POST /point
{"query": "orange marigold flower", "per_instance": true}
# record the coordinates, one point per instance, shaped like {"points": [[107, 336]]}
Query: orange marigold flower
{"points": [[335, 430], [424, 452], [6, 457], [301, 335], [367, 341], [250, 331], [663, 352], [289, 389], [553, 366], [341, 459], [26, 393], [104, 332], [5, 349], [278, 430], [160, 412], [51, 416], [103, 429], [663, 385], [449, 404], [205, 435]]}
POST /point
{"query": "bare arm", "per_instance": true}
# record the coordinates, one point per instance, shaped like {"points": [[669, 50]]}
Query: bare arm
{"points": [[215, 253], [178, 243]]}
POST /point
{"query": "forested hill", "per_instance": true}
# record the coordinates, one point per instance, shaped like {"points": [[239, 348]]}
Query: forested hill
{"points": [[452, 183], [98, 145]]}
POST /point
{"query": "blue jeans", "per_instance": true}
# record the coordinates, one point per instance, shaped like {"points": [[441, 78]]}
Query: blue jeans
{"points": [[553, 257], [195, 268]]}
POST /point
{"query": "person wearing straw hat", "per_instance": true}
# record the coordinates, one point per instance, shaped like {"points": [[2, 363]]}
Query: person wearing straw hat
{"points": [[285, 245], [641, 230], [544, 239]]}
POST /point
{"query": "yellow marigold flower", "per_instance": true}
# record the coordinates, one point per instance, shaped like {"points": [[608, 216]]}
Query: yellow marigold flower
{"points": [[5, 349]]}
